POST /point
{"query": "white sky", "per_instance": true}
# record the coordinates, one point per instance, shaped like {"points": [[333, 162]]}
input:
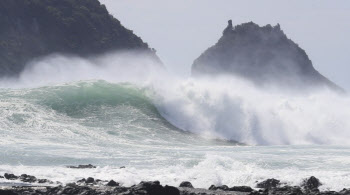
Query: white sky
{"points": [[181, 30]]}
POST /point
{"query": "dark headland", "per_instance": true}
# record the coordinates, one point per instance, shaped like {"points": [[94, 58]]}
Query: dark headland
{"points": [[263, 55], [30, 29], [34, 28]]}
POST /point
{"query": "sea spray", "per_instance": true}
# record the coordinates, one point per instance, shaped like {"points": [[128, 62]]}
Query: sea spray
{"points": [[68, 111], [228, 108], [235, 110]]}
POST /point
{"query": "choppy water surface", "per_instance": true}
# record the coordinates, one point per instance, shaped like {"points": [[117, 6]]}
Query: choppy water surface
{"points": [[218, 131]]}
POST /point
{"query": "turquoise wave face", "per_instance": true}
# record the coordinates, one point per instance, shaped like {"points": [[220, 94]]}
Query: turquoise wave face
{"points": [[82, 99], [121, 124], [88, 118]]}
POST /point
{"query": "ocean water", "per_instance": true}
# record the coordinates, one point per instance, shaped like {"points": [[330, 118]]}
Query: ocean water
{"points": [[68, 111]]}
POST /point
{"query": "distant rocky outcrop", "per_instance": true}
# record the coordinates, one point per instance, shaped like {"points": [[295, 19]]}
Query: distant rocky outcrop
{"points": [[35, 28], [263, 55]]}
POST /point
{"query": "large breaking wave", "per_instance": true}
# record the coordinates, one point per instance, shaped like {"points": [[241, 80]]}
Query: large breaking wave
{"points": [[61, 94], [122, 110]]}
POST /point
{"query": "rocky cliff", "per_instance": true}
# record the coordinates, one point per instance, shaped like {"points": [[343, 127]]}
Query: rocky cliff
{"points": [[263, 55], [34, 28]]}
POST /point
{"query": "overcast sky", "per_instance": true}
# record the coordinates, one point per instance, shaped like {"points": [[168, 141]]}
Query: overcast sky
{"points": [[181, 30]]}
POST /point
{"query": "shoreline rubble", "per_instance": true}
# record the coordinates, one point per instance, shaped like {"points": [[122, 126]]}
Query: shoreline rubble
{"points": [[91, 186]]}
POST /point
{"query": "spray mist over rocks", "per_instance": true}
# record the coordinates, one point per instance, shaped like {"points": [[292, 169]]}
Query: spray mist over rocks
{"points": [[65, 101], [123, 109], [225, 107]]}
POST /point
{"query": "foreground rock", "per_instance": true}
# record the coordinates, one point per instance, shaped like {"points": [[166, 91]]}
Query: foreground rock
{"points": [[268, 184], [263, 55], [91, 186], [311, 183], [186, 184]]}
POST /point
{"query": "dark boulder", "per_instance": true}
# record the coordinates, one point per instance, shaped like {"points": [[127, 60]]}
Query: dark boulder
{"points": [[170, 190], [256, 193], [27, 178], [311, 183], [150, 187], [90, 180], [269, 183], [212, 187], [290, 190], [223, 188], [7, 192], [186, 184], [73, 190], [81, 180], [345, 192], [112, 183], [10, 176], [241, 189], [44, 181]]}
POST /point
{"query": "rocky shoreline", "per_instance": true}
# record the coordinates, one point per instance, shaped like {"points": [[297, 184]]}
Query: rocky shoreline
{"points": [[91, 186]]}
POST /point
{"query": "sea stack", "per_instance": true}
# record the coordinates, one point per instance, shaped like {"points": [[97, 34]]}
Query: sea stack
{"points": [[35, 28], [263, 55]]}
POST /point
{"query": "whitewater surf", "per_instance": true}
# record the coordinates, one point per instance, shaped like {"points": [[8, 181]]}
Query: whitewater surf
{"points": [[161, 127]]}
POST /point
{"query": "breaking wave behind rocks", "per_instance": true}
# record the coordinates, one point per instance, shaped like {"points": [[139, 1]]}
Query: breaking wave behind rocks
{"points": [[123, 110]]}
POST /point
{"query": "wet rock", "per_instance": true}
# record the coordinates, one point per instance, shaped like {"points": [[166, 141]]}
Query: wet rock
{"points": [[120, 189], [170, 190], [76, 190], [27, 178], [256, 193], [223, 188], [1, 177], [241, 189], [186, 184], [44, 181], [90, 180], [89, 166], [112, 183], [71, 185], [268, 184], [154, 188], [81, 180], [286, 190], [7, 192], [149, 187], [345, 192], [10, 176], [99, 181], [212, 187], [311, 183]]}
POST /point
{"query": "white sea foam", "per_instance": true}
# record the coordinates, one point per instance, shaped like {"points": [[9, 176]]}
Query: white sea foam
{"points": [[235, 110], [52, 117], [228, 108], [213, 169]]}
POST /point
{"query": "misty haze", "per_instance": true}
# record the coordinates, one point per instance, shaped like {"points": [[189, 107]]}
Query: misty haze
{"points": [[89, 105]]}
